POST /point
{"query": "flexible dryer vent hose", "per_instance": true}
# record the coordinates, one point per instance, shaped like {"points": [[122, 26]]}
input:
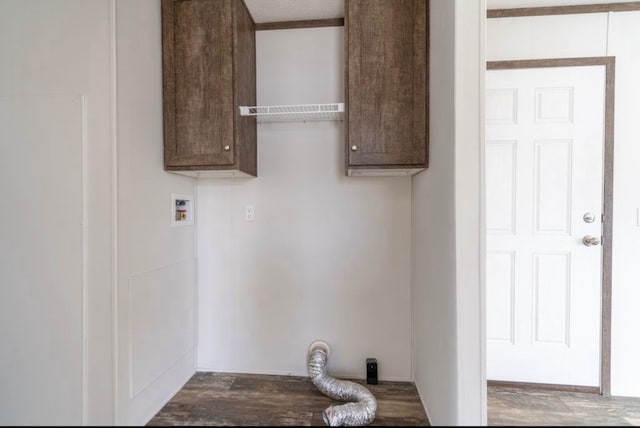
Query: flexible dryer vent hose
{"points": [[362, 407]]}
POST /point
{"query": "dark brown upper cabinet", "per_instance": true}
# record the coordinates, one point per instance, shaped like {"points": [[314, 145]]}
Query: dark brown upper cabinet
{"points": [[387, 81], [209, 70]]}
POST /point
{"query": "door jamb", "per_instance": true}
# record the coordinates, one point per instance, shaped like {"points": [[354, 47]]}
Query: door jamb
{"points": [[607, 220]]}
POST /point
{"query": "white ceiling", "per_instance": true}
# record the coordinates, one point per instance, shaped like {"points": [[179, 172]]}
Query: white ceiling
{"points": [[298, 10], [294, 10]]}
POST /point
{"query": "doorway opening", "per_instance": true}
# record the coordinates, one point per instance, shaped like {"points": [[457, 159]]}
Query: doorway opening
{"points": [[549, 222]]}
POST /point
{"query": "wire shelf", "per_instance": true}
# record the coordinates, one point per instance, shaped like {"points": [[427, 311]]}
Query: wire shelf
{"points": [[295, 113]]}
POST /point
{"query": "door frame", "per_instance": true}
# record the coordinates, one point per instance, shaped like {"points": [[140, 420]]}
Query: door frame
{"points": [[607, 210]]}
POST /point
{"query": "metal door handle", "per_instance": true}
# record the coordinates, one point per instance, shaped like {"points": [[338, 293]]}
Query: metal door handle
{"points": [[590, 241]]}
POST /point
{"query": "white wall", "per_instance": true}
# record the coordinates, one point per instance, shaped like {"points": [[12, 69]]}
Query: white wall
{"points": [[72, 85], [156, 262], [327, 257], [469, 166], [614, 34], [447, 295], [55, 227], [434, 294]]}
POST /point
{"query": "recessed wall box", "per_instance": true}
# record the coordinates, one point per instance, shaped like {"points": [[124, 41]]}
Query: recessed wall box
{"points": [[182, 210]]}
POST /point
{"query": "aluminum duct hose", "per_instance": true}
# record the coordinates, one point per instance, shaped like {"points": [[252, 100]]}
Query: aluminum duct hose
{"points": [[362, 408]]}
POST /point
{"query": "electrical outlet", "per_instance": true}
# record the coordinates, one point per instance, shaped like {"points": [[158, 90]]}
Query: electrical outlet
{"points": [[249, 213]]}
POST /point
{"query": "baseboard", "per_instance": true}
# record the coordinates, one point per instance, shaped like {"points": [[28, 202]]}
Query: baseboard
{"points": [[544, 386], [424, 405]]}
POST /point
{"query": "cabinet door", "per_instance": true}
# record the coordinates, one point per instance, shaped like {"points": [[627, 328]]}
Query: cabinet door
{"points": [[387, 82], [198, 82]]}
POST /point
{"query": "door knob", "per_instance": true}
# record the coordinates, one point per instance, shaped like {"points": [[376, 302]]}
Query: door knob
{"points": [[590, 241]]}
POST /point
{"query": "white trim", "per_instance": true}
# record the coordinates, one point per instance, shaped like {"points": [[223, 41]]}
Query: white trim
{"points": [[234, 265], [482, 206], [341, 375], [468, 97], [196, 297], [412, 289], [212, 173], [383, 172], [424, 404], [85, 258], [113, 131]]}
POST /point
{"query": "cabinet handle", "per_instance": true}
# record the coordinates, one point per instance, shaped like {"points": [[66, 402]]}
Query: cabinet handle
{"points": [[354, 148], [227, 148]]}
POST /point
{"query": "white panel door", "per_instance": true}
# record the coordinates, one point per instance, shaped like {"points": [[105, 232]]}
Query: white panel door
{"points": [[544, 171]]}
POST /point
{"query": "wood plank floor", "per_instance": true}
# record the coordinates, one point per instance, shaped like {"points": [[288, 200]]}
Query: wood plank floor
{"points": [[517, 406], [220, 399]]}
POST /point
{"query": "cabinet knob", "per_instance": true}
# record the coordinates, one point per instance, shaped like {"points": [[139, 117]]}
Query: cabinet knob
{"points": [[354, 148], [227, 148]]}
